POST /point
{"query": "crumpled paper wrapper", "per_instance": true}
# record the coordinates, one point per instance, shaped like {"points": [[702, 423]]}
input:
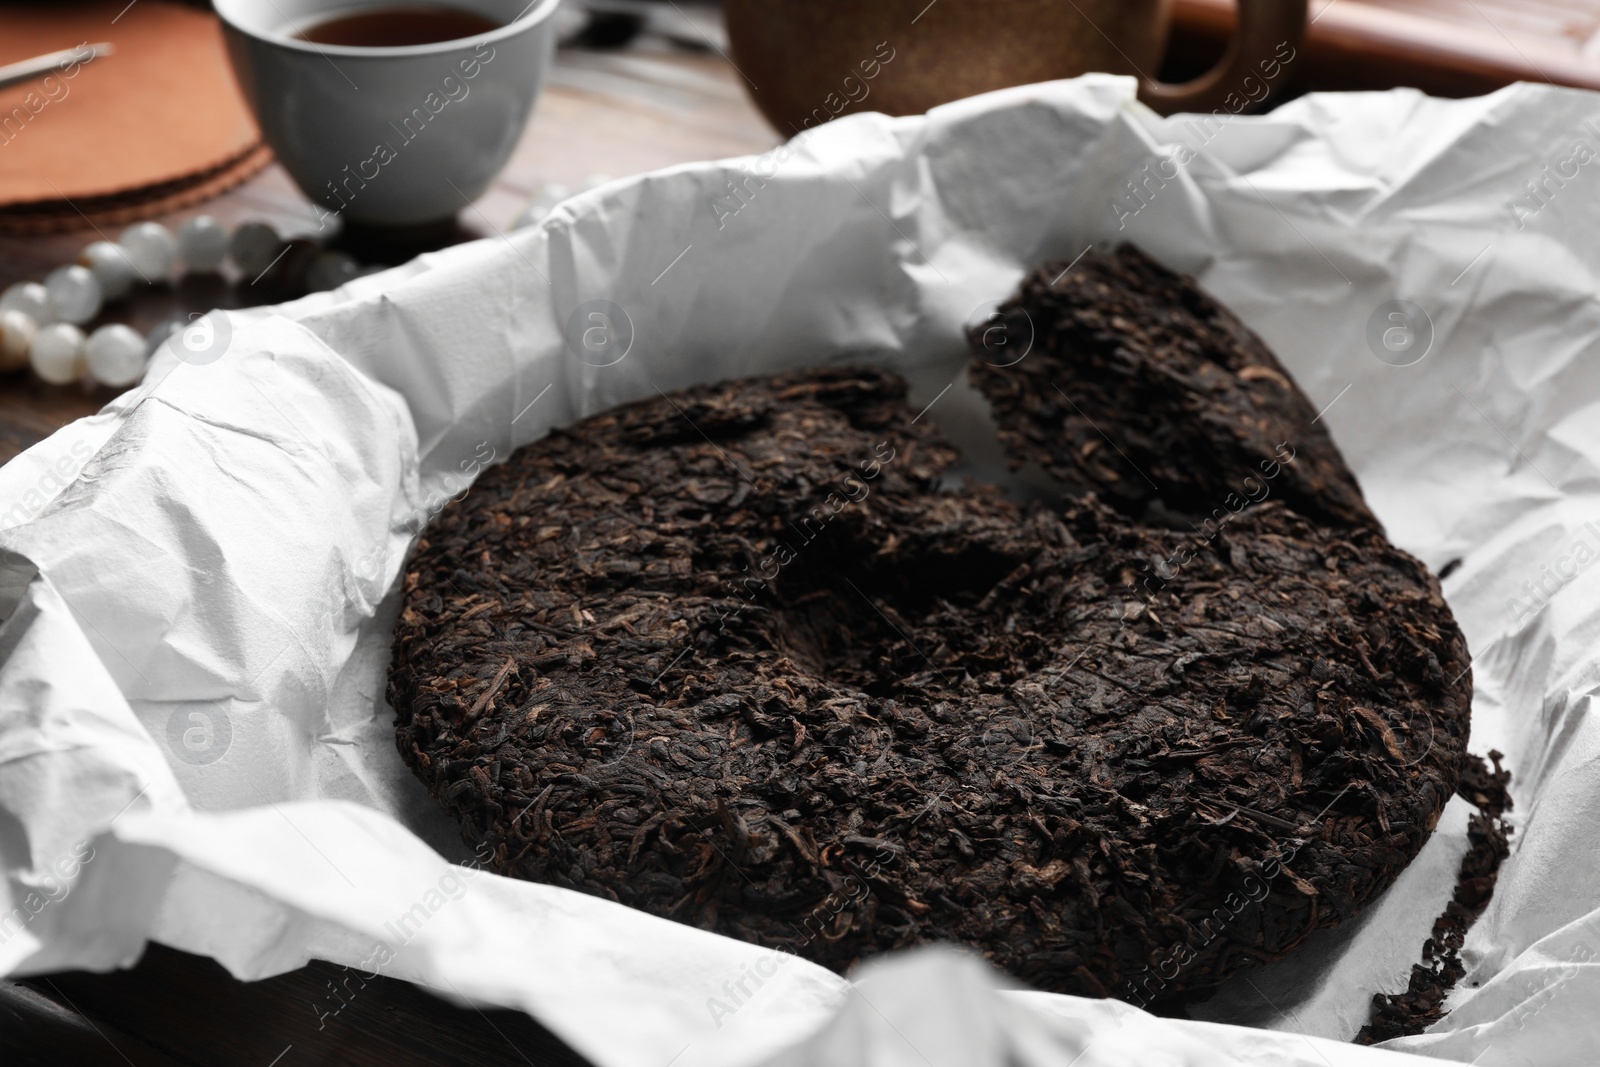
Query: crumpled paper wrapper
{"points": [[199, 582]]}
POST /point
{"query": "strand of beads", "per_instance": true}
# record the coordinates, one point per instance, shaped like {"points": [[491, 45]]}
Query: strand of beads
{"points": [[41, 323]]}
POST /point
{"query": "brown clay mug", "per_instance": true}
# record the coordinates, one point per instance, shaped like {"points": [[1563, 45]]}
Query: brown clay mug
{"points": [[807, 61]]}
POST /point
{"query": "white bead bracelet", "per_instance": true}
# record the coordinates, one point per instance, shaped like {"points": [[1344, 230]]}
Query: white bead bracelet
{"points": [[40, 322]]}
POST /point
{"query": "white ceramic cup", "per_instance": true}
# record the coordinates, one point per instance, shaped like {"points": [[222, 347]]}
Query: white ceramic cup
{"points": [[389, 136]]}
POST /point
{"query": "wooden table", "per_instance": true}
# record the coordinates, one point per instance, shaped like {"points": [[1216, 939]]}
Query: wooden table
{"points": [[614, 113]]}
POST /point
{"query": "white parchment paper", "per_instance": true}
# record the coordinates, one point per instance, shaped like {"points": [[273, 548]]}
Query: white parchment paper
{"points": [[198, 583]]}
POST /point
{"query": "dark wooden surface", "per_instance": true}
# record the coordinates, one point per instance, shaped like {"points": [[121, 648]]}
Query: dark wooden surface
{"points": [[612, 113]]}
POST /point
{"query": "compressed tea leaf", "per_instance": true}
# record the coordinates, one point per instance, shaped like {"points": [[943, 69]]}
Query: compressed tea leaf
{"points": [[734, 656]]}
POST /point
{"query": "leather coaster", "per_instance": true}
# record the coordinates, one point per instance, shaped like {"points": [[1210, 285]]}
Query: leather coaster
{"points": [[157, 125], [121, 209]]}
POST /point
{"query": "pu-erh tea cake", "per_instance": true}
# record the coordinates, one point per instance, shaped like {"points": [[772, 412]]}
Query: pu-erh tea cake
{"points": [[739, 657]]}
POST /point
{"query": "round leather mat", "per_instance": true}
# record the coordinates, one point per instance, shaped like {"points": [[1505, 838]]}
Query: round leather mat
{"points": [[155, 125]]}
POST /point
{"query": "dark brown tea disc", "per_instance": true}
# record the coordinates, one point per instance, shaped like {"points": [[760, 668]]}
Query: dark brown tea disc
{"points": [[737, 658]]}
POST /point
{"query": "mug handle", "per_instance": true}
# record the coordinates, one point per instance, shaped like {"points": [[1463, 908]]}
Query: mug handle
{"points": [[1266, 29]]}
